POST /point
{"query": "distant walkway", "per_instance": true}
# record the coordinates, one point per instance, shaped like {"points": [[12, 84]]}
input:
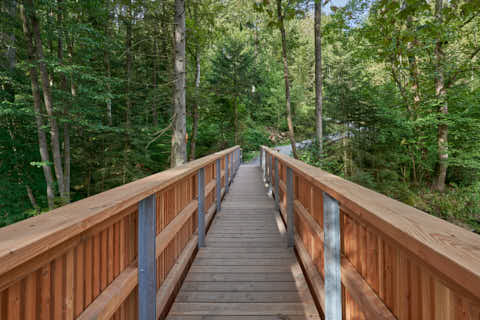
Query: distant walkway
{"points": [[284, 149]]}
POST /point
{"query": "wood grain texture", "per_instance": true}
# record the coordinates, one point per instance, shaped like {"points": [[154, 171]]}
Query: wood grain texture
{"points": [[246, 269], [26, 239], [446, 248], [397, 262], [72, 261]]}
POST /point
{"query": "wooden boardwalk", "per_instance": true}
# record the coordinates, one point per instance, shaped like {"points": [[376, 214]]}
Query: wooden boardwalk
{"points": [[246, 270]]}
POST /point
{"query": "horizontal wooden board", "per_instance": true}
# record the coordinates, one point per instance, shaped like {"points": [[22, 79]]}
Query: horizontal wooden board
{"points": [[251, 268], [239, 297], [285, 309], [234, 286], [255, 317], [266, 276]]}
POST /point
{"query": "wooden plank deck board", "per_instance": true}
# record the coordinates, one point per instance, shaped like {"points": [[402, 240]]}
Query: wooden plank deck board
{"points": [[256, 317], [246, 271]]}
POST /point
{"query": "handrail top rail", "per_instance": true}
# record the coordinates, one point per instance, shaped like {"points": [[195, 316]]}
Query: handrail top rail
{"points": [[31, 237], [443, 246]]}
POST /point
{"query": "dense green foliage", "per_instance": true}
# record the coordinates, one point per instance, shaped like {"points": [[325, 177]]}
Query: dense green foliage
{"points": [[383, 106]]}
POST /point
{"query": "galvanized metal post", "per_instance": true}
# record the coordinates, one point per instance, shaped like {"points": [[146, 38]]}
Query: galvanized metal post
{"points": [[267, 167], [290, 220], [147, 270], [262, 162], [201, 207], [239, 160], [237, 156], [261, 158], [219, 185], [277, 182], [333, 285], [226, 174]]}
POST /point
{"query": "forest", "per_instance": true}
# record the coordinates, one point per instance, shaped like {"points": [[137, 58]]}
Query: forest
{"points": [[95, 94]]}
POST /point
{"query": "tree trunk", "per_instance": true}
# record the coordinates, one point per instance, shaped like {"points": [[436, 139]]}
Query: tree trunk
{"points": [[129, 63], [155, 82], [11, 54], [235, 119], [31, 196], [47, 97], [193, 139], [179, 147], [106, 61], [291, 132], [37, 105], [66, 131], [441, 95], [318, 75]]}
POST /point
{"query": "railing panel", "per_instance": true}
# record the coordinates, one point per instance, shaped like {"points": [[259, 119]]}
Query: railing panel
{"points": [[396, 261], [79, 261]]}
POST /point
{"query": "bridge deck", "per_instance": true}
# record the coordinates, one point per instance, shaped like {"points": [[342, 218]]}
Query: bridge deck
{"points": [[246, 270]]}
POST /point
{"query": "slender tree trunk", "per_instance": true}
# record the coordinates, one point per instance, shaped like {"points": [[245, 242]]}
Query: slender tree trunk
{"points": [[193, 139], [179, 146], [155, 82], [235, 119], [66, 130], [291, 132], [11, 53], [109, 88], [441, 95], [31, 196], [106, 61], [129, 62], [318, 75], [37, 106], [47, 97]]}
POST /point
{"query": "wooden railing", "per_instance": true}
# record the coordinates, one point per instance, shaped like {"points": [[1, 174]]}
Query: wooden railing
{"points": [[396, 262], [90, 259]]}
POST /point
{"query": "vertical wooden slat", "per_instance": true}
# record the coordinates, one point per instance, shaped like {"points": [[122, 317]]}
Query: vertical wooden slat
{"points": [[80, 270], [362, 248], [402, 286], [372, 260], [116, 249], [30, 303], [201, 207], [89, 261], [290, 213], [58, 295], [416, 296], [45, 296], [443, 308], [13, 306], [111, 255], [218, 185], [381, 268], [69, 285], [427, 296], [276, 185], [103, 259], [123, 255], [226, 174], [96, 266]]}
